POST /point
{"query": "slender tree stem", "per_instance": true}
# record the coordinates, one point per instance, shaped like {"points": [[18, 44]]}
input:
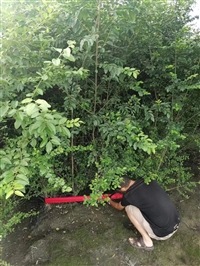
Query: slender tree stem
{"points": [[162, 157], [96, 64], [72, 157]]}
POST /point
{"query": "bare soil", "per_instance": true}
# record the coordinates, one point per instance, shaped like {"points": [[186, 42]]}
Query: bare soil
{"points": [[77, 235]]}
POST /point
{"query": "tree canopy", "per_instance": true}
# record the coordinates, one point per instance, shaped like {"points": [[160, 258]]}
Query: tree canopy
{"points": [[92, 90]]}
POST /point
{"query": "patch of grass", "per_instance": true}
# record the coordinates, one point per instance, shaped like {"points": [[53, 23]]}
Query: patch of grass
{"points": [[72, 260], [191, 250]]}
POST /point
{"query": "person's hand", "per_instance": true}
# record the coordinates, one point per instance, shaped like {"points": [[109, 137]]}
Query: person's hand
{"points": [[116, 205]]}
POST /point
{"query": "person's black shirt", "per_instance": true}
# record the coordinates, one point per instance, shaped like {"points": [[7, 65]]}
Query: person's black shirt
{"points": [[154, 204]]}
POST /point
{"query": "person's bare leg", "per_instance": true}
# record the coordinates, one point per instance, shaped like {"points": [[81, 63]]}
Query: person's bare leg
{"points": [[147, 240]]}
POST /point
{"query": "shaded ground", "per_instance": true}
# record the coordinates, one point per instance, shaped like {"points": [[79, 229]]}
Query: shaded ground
{"points": [[76, 235]]}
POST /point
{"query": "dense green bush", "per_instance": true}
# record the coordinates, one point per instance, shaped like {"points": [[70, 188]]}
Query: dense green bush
{"points": [[92, 90]]}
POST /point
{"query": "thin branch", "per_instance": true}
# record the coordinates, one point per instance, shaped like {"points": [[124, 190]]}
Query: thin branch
{"points": [[96, 56], [162, 158], [72, 156], [96, 63]]}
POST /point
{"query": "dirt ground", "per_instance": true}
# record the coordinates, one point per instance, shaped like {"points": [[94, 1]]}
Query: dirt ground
{"points": [[76, 235]]}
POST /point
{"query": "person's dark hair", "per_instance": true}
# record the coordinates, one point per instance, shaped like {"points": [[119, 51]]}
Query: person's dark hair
{"points": [[125, 182]]}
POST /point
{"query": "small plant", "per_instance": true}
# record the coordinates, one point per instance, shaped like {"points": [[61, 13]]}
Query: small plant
{"points": [[8, 221]]}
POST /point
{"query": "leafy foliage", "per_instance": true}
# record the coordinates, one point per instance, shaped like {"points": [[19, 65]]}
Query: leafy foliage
{"points": [[92, 90], [8, 220]]}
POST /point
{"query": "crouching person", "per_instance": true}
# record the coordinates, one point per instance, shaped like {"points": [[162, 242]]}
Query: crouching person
{"points": [[150, 210]]}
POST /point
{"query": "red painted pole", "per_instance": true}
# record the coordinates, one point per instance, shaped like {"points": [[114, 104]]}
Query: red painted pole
{"points": [[79, 198]]}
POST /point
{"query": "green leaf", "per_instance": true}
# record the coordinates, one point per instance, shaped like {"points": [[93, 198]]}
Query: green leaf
{"points": [[49, 147], [33, 143], [22, 177], [5, 160], [66, 189], [24, 170], [31, 108], [49, 116], [43, 170], [35, 114], [9, 177], [14, 104], [12, 112], [20, 115], [43, 104], [58, 49], [70, 58], [62, 120], [2, 152], [27, 100], [67, 52], [135, 74], [19, 193], [39, 91], [44, 77], [33, 127], [66, 132], [24, 162], [3, 110], [55, 140], [25, 133], [17, 124], [22, 182], [56, 61], [17, 186], [43, 143], [135, 146], [8, 194], [51, 127], [41, 129]]}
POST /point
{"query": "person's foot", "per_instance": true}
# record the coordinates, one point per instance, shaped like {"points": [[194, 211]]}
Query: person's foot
{"points": [[139, 243]]}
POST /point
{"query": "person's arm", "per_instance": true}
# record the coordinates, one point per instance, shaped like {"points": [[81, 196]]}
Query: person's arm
{"points": [[116, 205]]}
